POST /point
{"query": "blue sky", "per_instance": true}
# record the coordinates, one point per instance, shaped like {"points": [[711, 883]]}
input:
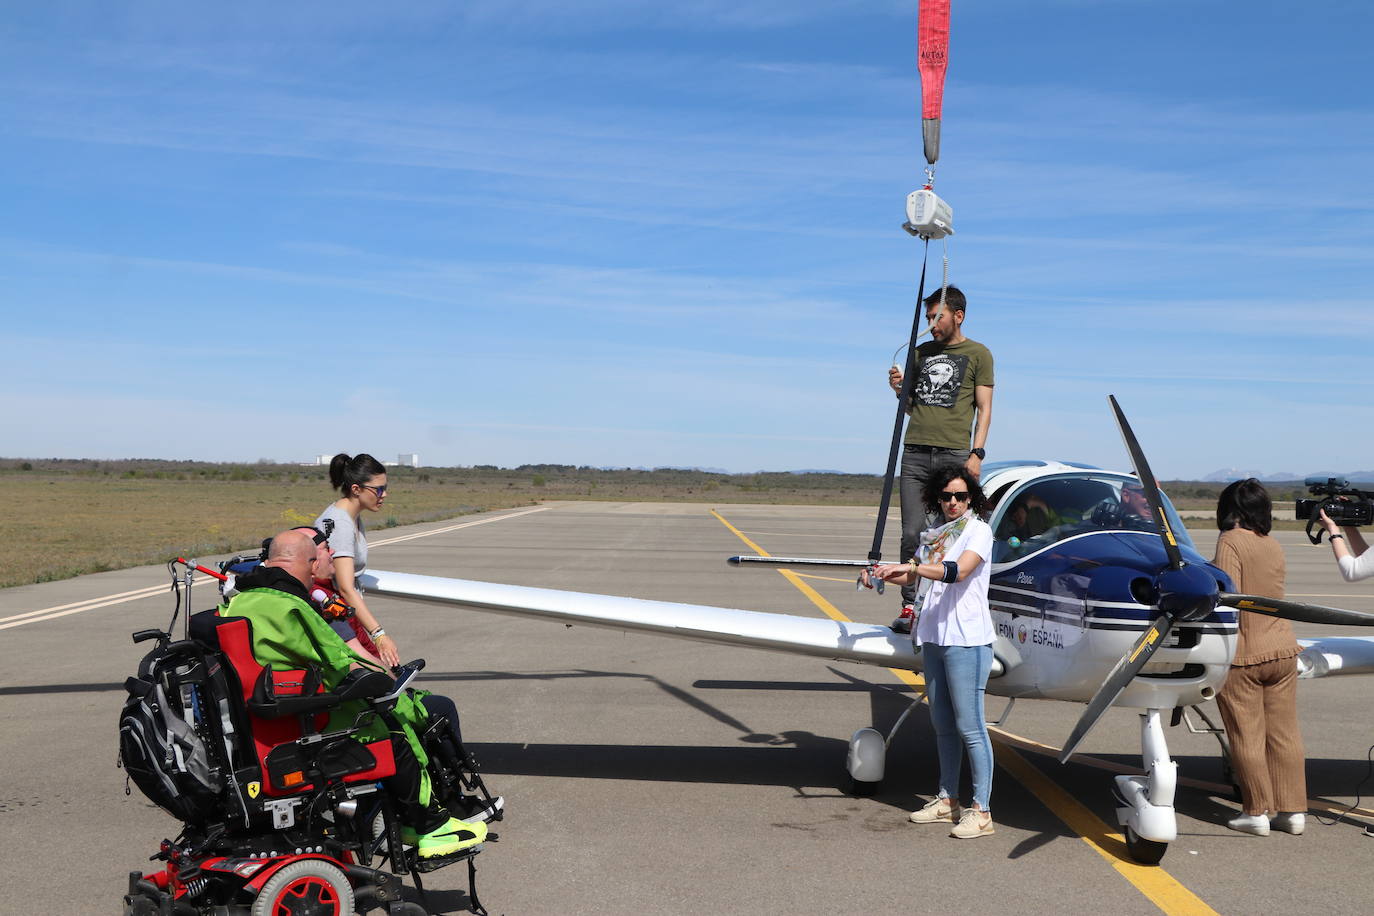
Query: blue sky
{"points": [[629, 233]]}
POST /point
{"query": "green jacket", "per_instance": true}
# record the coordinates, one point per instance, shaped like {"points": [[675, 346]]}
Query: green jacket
{"points": [[288, 633]]}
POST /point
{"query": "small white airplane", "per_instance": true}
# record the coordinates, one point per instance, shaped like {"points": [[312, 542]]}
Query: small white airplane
{"points": [[1098, 596]]}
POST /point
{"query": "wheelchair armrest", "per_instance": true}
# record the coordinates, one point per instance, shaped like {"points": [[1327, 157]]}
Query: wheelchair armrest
{"points": [[363, 684], [276, 707], [289, 693]]}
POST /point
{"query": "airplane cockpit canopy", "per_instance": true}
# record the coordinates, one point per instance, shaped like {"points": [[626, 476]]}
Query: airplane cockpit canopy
{"points": [[1047, 510]]}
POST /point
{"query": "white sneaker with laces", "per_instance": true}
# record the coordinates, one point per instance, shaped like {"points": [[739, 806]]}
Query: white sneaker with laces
{"points": [[936, 811], [973, 823]]}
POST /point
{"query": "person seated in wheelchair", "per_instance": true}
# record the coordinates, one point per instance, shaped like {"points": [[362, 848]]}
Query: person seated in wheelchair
{"points": [[289, 633]]}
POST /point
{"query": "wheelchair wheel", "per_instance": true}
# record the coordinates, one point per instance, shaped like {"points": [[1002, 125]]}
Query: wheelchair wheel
{"points": [[305, 888]]}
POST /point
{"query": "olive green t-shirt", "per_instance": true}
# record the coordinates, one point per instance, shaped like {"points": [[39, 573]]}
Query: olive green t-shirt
{"points": [[942, 402]]}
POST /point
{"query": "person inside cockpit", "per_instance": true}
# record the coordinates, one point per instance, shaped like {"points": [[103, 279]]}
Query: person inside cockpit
{"points": [[1027, 517], [1134, 506]]}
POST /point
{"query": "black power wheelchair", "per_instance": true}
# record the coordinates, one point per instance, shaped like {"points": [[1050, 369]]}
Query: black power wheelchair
{"points": [[280, 817]]}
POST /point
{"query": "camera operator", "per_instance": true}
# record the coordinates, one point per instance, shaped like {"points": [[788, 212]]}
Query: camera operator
{"points": [[1353, 555]]}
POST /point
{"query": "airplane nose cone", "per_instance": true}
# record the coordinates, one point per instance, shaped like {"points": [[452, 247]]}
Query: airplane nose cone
{"points": [[1189, 593]]}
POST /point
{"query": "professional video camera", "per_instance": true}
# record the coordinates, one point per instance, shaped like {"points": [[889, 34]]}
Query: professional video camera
{"points": [[1342, 503]]}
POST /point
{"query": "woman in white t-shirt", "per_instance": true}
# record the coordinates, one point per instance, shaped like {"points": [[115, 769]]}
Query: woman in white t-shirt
{"points": [[954, 634], [361, 482]]}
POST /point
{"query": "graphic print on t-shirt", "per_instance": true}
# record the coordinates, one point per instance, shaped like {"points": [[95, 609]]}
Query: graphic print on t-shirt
{"points": [[939, 378]]}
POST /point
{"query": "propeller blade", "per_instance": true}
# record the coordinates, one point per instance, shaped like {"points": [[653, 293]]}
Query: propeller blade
{"points": [[1147, 480], [1293, 610], [1121, 675]]}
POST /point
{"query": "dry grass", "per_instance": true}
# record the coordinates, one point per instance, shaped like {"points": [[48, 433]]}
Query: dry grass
{"points": [[67, 518]]}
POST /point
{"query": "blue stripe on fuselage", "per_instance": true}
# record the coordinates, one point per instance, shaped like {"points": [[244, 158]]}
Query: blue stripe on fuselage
{"points": [[1086, 579]]}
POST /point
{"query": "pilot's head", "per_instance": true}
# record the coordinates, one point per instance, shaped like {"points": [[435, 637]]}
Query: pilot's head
{"points": [[1133, 500]]}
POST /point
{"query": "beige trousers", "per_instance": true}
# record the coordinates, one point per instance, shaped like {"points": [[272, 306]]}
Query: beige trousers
{"points": [[1259, 704]]}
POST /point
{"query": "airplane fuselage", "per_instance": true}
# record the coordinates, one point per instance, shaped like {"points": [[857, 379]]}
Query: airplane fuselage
{"points": [[1069, 603]]}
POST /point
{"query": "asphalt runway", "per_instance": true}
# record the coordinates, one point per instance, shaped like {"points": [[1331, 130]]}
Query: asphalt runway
{"points": [[647, 775]]}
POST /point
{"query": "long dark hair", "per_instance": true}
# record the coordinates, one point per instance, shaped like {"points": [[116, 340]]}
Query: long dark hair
{"points": [[940, 478], [345, 473], [1245, 503]]}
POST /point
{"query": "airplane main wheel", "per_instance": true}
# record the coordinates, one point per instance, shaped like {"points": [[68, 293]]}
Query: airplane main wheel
{"points": [[860, 788], [1146, 852], [305, 888]]}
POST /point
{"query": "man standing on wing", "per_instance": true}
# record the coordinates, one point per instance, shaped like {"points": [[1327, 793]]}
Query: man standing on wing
{"points": [[953, 384]]}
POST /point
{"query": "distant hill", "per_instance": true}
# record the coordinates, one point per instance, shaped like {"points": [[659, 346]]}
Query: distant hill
{"points": [[1228, 474]]}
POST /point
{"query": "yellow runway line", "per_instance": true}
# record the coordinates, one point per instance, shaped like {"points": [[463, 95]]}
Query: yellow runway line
{"points": [[1162, 889], [910, 678], [1111, 766]]}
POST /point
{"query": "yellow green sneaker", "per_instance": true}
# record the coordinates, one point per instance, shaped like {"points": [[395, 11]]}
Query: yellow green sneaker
{"points": [[454, 836]]}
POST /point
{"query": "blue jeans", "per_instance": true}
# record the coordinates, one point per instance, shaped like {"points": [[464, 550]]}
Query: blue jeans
{"points": [[956, 678]]}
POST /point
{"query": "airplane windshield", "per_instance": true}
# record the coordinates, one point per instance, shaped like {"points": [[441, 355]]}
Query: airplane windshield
{"points": [[1050, 510]]}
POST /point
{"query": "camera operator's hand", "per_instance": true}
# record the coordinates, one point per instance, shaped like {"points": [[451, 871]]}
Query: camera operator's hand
{"points": [[1331, 527]]}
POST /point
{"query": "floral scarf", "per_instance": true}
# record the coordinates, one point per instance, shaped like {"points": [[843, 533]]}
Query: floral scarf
{"points": [[935, 542]]}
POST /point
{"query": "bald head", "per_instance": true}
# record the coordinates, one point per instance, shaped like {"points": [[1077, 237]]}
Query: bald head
{"points": [[293, 551]]}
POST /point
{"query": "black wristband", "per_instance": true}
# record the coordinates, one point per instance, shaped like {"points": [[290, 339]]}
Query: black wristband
{"points": [[951, 572]]}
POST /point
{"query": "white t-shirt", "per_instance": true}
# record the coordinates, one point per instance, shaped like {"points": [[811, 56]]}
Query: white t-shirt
{"points": [[956, 613], [347, 539]]}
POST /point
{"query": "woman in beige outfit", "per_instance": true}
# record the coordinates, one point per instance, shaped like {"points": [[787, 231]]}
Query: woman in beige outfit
{"points": [[1259, 701]]}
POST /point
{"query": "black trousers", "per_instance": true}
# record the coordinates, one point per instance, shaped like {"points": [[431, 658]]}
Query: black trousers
{"points": [[404, 786]]}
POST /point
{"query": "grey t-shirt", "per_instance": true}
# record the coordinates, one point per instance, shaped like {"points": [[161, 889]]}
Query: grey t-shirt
{"points": [[347, 539]]}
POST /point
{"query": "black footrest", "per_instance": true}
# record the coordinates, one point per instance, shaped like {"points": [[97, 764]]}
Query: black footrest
{"points": [[434, 863]]}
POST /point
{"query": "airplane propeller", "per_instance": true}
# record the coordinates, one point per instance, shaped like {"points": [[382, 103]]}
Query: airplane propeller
{"points": [[1185, 593], [1294, 610]]}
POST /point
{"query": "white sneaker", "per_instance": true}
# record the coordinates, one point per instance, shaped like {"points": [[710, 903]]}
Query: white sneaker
{"points": [[1256, 824], [935, 811], [973, 823], [1293, 822]]}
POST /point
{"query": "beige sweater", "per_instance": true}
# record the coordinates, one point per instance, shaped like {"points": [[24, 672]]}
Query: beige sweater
{"points": [[1256, 565]]}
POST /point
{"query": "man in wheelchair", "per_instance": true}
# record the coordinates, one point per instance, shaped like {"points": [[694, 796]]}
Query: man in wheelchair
{"points": [[288, 634]]}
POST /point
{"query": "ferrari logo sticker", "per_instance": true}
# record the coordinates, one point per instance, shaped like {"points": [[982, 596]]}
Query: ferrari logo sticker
{"points": [[254, 788]]}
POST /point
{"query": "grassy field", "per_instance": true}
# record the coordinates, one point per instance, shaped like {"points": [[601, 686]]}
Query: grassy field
{"points": [[67, 518]]}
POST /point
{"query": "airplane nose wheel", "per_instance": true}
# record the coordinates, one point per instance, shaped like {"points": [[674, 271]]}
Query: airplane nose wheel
{"points": [[1146, 852]]}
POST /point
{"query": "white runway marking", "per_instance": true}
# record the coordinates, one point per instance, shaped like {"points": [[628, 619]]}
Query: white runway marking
{"points": [[90, 604], [480, 521], [62, 610]]}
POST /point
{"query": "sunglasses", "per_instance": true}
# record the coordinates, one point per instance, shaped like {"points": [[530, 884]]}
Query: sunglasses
{"points": [[962, 497], [380, 491]]}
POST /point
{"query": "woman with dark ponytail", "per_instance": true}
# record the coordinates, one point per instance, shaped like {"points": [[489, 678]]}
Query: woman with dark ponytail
{"points": [[361, 482]]}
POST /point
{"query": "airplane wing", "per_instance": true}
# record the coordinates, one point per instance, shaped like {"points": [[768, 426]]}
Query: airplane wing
{"points": [[866, 643], [1333, 655]]}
